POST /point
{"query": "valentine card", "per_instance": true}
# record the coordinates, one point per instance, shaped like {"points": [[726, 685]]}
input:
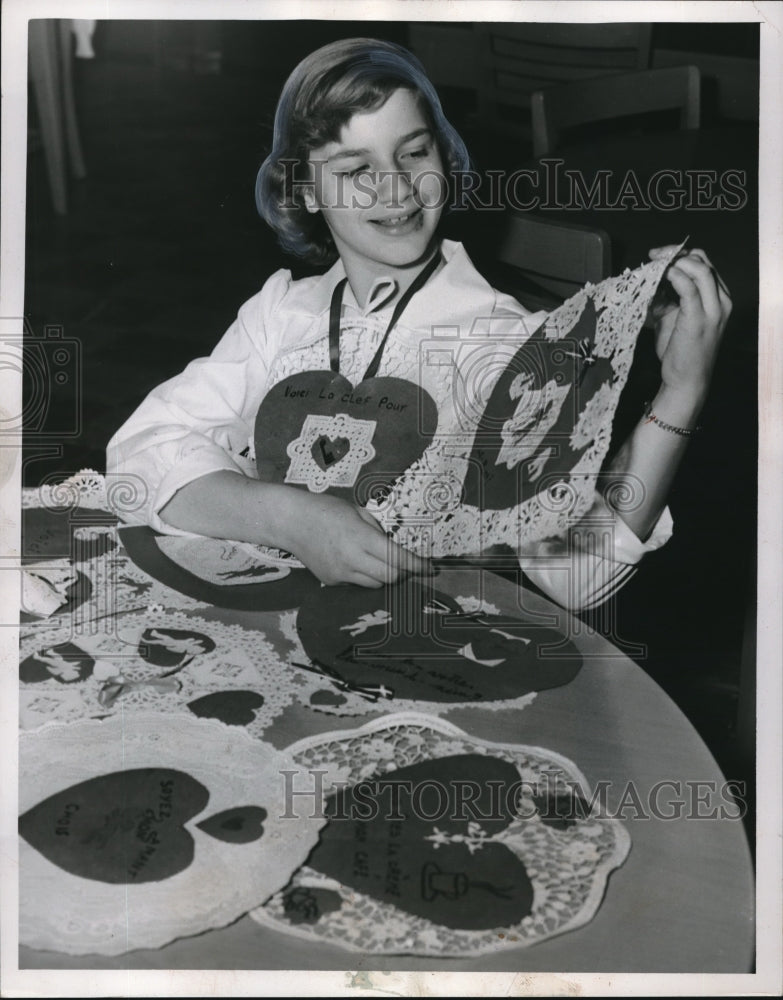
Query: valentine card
{"points": [[225, 563], [315, 430], [218, 572], [516, 458], [141, 829], [152, 660], [438, 843], [410, 645]]}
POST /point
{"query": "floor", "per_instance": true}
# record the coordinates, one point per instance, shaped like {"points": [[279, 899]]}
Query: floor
{"points": [[161, 245]]}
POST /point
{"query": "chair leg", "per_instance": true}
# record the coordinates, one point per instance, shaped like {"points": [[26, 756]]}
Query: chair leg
{"points": [[69, 106], [44, 74]]}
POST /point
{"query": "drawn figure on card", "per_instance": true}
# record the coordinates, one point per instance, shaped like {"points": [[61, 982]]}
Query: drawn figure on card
{"points": [[64, 662], [173, 648]]}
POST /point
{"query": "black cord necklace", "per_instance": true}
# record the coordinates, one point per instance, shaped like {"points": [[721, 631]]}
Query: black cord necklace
{"points": [[335, 311]]}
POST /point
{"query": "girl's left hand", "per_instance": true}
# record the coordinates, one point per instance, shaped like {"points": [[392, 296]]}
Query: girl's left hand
{"points": [[687, 337]]}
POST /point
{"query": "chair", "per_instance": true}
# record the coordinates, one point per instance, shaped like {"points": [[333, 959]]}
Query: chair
{"points": [[516, 60], [554, 259], [50, 70], [614, 97]]}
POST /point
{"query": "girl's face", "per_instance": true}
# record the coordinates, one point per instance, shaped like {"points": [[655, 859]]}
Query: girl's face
{"points": [[380, 188]]}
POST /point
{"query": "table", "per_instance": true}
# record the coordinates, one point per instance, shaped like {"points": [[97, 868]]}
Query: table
{"points": [[681, 902]]}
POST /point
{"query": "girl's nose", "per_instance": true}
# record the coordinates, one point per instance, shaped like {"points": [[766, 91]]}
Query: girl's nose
{"points": [[394, 188]]}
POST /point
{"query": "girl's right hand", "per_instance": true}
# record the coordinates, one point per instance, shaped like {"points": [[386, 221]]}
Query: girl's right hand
{"points": [[342, 543]]}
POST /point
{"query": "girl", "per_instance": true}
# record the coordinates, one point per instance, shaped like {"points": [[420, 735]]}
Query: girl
{"points": [[361, 160]]}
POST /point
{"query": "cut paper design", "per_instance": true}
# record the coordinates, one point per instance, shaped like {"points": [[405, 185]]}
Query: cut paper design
{"points": [[137, 835], [152, 661], [235, 708], [63, 662], [405, 866], [330, 451], [316, 430], [86, 488], [264, 580], [410, 645], [523, 466], [53, 533], [223, 563]]}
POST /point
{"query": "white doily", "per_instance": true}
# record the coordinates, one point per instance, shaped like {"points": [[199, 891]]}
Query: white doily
{"points": [[424, 511], [90, 489], [242, 849], [567, 862], [248, 681]]}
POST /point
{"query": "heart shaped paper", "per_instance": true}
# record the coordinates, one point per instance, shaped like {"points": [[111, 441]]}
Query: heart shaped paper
{"points": [[149, 826], [64, 662], [126, 827], [173, 648], [417, 643], [240, 825], [235, 708], [141, 544], [522, 462], [442, 844], [524, 440], [75, 533], [315, 430], [380, 840]]}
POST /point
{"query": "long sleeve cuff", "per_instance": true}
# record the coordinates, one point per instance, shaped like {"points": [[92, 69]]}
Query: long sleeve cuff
{"points": [[599, 556]]}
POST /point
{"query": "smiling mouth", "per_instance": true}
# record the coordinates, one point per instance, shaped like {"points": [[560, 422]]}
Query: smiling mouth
{"points": [[399, 222]]}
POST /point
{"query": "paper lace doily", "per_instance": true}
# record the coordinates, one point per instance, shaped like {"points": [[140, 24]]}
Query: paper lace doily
{"points": [[207, 659], [70, 913], [568, 864], [425, 510]]}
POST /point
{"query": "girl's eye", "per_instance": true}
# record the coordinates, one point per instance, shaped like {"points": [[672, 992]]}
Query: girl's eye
{"points": [[355, 171], [417, 154]]}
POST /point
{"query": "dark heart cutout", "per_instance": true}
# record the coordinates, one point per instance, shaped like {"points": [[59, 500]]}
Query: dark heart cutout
{"points": [[328, 452], [239, 825], [64, 662], [125, 827], [172, 647], [48, 533], [561, 810], [325, 697], [374, 842], [287, 592], [235, 708], [405, 415], [306, 905], [490, 484], [418, 644]]}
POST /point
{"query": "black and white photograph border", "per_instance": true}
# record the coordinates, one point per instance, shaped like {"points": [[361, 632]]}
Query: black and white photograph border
{"points": [[85, 305]]}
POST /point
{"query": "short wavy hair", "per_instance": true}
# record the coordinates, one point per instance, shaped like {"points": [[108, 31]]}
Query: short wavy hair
{"points": [[322, 94]]}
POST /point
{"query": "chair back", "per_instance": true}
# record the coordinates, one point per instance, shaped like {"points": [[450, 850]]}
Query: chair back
{"points": [[555, 259], [614, 97], [516, 60]]}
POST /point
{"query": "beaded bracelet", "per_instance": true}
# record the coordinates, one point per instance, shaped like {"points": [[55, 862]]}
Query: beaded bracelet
{"points": [[651, 418]]}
